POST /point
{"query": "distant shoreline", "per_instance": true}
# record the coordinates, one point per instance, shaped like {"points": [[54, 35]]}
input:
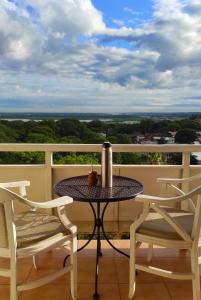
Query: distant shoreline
{"points": [[128, 118]]}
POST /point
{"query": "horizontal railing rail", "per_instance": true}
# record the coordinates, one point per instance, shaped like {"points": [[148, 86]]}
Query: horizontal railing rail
{"points": [[179, 148]]}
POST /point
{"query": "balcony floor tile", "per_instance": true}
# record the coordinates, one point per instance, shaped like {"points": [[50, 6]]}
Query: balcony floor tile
{"points": [[113, 275]]}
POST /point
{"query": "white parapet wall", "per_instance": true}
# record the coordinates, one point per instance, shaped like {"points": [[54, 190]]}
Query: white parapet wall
{"points": [[44, 176]]}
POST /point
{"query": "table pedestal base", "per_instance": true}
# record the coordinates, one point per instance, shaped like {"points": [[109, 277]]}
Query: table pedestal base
{"points": [[96, 296], [97, 229]]}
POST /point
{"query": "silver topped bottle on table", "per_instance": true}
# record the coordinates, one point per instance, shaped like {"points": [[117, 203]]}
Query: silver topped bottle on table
{"points": [[106, 165]]}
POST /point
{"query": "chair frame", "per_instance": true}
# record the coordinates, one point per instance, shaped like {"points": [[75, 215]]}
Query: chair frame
{"points": [[191, 243], [14, 253], [21, 185], [172, 184]]}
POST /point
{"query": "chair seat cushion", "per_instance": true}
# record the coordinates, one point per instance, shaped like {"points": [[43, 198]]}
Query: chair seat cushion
{"points": [[32, 227], [156, 226]]}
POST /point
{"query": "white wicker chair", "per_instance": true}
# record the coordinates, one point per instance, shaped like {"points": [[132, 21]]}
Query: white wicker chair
{"points": [[173, 229], [31, 233]]}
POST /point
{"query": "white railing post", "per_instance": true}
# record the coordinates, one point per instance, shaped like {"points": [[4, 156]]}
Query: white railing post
{"points": [[186, 156], [48, 175]]}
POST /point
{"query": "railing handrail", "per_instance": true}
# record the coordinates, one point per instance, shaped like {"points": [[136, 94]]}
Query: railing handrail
{"points": [[25, 147], [49, 150]]}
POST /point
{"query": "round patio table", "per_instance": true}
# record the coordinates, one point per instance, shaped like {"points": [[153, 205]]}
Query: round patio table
{"points": [[123, 188]]}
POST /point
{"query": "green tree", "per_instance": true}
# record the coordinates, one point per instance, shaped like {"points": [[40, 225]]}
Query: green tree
{"points": [[146, 126], [155, 158], [173, 126], [69, 140], [112, 139], [39, 138], [132, 158], [74, 158], [95, 138], [7, 135], [66, 127], [22, 158], [123, 139], [96, 125], [185, 136]]}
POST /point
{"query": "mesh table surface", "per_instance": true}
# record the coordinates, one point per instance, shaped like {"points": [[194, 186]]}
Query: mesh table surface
{"points": [[77, 187]]}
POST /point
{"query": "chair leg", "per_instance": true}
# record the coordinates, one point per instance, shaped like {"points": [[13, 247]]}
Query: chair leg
{"points": [[195, 271], [199, 257], [132, 271], [13, 280], [150, 252], [73, 272], [36, 262]]}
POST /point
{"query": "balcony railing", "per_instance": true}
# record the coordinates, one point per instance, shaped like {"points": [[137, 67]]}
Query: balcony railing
{"points": [[44, 176]]}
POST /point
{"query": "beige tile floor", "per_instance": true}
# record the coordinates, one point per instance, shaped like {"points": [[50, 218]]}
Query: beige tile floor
{"points": [[113, 275]]}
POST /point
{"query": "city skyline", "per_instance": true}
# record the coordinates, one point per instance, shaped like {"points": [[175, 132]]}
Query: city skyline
{"points": [[100, 56]]}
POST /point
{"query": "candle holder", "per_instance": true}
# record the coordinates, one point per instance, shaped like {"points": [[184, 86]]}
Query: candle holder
{"points": [[92, 178]]}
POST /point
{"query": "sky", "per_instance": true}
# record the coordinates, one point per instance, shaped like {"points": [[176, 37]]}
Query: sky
{"points": [[115, 56]]}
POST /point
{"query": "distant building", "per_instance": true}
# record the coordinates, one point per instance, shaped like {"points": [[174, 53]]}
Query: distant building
{"points": [[168, 140], [150, 139], [197, 156]]}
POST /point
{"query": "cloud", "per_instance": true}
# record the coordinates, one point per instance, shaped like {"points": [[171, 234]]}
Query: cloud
{"points": [[71, 18], [132, 11], [63, 50], [118, 22], [174, 34]]}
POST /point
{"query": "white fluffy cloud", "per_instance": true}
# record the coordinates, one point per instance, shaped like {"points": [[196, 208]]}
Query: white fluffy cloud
{"points": [[19, 39], [63, 51], [67, 17]]}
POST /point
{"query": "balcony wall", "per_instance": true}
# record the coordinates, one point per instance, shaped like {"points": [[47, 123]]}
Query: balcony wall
{"points": [[43, 177]]}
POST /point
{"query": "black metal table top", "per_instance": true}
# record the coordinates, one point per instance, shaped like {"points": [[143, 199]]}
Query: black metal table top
{"points": [[78, 188]]}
